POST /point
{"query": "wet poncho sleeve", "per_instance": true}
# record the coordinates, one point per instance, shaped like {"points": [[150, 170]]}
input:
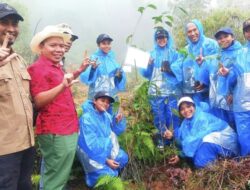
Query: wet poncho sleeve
{"points": [[97, 147]]}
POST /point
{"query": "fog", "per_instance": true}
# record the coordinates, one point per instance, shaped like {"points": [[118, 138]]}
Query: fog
{"points": [[118, 18]]}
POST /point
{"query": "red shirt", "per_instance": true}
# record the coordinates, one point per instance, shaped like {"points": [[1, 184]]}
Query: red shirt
{"points": [[58, 117]]}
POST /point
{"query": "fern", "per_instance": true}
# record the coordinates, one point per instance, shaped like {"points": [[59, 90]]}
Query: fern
{"points": [[107, 182]]}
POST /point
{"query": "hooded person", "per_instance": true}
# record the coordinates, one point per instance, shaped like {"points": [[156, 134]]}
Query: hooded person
{"points": [[220, 90], [202, 136], [165, 87], [98, 148], [195, 77], [239, 78], [105, 74]]}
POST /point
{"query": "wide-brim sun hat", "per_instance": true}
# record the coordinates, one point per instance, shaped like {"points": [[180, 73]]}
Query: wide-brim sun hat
{"points": [[184, 99], [47, 32]]}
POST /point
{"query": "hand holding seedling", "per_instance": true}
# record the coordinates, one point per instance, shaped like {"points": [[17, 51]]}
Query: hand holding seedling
{"points": [[174, 160], [5, 56], [168, 134]]}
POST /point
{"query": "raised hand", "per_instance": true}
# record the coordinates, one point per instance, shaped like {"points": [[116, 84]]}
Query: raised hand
{"points": [[5, 55], [200, 58], [223, 71]]}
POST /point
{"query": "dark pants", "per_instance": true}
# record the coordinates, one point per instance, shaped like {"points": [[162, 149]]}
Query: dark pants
{"points": [[16, 170]]}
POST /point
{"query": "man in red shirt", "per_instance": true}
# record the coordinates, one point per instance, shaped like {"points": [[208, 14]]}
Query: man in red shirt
{"points": [[57, 123]]}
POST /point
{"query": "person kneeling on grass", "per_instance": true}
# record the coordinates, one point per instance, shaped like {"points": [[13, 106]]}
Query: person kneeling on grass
{"points": [[98, 148], [202, 136]]}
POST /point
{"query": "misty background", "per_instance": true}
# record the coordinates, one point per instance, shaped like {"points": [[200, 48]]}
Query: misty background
{"points": [[118, 18]]}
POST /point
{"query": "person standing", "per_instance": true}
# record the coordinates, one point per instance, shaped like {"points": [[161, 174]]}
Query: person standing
{"points": [[16, 130], [195, 76], [57, 122], [164, 75]]}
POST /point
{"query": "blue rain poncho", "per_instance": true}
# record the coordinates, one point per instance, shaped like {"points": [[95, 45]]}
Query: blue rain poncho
{"points": [[98, 141], [239, 78], [104, 78], [219, 85], [164, 88], [205, 128], [162, 83], [192, 72]]}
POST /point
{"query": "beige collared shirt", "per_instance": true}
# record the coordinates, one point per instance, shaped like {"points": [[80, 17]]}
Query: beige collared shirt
{"points": [[16, 129]]}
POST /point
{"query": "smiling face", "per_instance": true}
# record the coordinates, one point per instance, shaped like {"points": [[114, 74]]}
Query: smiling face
{"points": [[162, 41], [247, 33], [187, 110], [225, 40], [102, 104], [9, 27], [105, 46], [193, 33], [53, 48]]}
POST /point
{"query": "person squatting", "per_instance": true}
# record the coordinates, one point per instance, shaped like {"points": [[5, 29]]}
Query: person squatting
{"points": [[212, 97]]}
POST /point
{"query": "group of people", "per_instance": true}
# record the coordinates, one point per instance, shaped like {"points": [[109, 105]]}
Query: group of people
{"points": [[208, 87]]}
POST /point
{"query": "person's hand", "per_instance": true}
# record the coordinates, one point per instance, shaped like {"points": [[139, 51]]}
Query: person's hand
{"points": [[174, 160], [85, 64], [112, 164], [150, 61], [168, 134], [118, 73], [68, 80], [223, 70], [199, 59], [199, 86], [93, 63], [229, 99], [118, 117], [5, 56]]}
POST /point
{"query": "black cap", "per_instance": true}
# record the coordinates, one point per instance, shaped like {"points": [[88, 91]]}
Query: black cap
{"points": [[6, 10], [102, 94], [225, 30], [103, 37], [161, 33], [246, 24]]}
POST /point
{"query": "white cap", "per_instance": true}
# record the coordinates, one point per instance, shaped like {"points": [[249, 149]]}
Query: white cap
{"points": [[47, 32], [184, 99], [67, 29]]}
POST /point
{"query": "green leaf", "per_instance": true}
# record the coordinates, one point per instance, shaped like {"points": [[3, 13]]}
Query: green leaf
{"points": [[183, 10], [157, 19], [129, 38], [170, 18], [141, 9], [148, 142], [169, 23], [152, 6]]}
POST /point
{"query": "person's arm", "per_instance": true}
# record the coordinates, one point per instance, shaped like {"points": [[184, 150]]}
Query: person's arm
{"points": [[82, 68], [118, 124], [44, 98]]}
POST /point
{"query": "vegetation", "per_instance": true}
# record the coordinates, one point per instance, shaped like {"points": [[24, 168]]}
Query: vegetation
{"points": [[148, 167]]}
